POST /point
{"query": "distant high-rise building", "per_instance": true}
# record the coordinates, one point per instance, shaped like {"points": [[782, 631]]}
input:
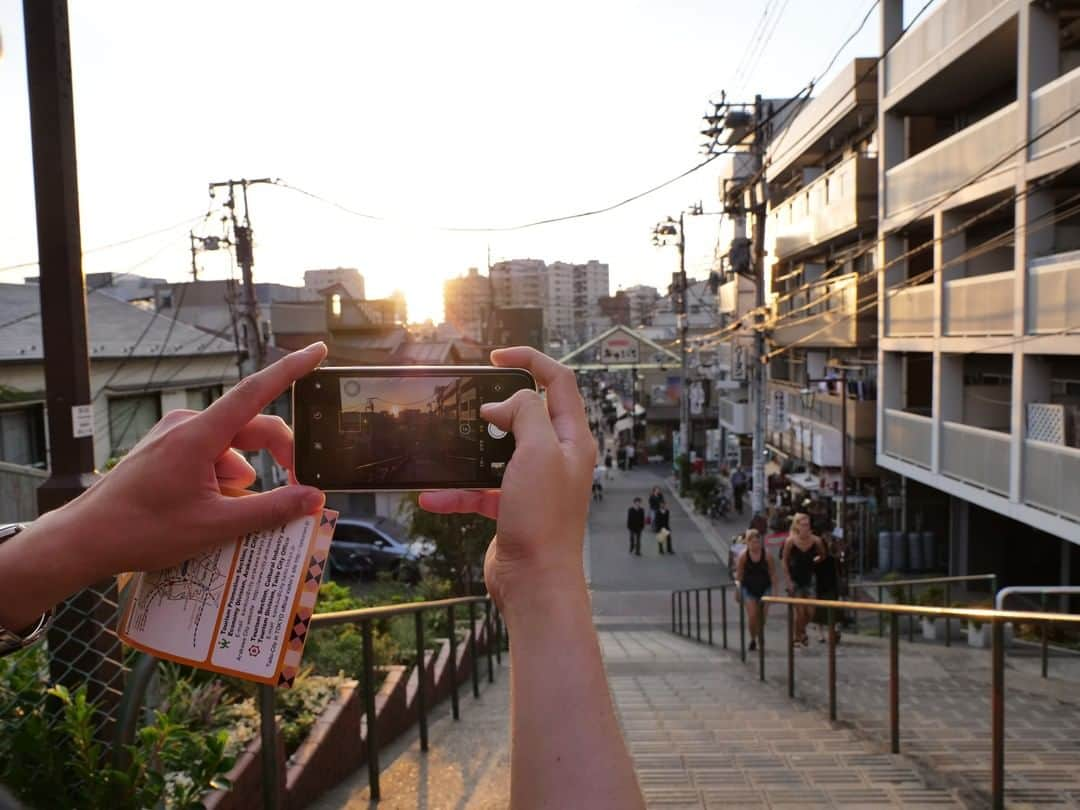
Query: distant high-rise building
{"points": [[568, 293], [467, 302], [348, 277], [642, 302]]}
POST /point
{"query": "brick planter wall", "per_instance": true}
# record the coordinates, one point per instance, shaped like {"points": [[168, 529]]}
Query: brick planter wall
{"points": [[337, 745]]}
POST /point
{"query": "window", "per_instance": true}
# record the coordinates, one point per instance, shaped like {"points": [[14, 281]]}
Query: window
{"points": [[22, 436], [130, 418], [199, 399]]}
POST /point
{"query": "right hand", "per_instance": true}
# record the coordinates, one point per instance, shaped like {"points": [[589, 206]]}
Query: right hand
{"points": [[544, 501]]}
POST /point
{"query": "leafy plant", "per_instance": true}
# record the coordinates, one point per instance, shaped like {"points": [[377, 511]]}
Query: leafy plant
{"points": [[703, 490], [461, 541], [52, 756]]}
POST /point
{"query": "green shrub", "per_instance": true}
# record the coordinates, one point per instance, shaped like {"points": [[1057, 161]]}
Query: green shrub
{"points": [[703, 490]]}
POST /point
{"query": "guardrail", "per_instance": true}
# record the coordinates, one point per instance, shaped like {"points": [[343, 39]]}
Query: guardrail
{"points": [[1043, 591], [682, 625], [143, 670], [910, 584], [996, 619]]}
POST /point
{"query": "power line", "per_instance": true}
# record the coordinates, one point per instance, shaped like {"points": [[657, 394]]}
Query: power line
{"points": [[182, 224]]}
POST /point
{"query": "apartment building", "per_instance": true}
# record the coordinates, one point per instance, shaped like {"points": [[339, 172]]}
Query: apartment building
{"points": [[567, 293], [467, 302], [821, 233], [978, 319]]}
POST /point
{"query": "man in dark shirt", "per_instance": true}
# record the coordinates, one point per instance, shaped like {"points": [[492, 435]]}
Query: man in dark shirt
{"points": [[635, 522]]}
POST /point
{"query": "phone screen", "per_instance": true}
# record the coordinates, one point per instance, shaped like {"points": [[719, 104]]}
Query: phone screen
{"points": [[402, 428]]}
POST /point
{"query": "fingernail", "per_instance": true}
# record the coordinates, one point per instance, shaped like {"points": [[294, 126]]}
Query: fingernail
{"points": [[487, 406], [316, 346], [312, 501]]}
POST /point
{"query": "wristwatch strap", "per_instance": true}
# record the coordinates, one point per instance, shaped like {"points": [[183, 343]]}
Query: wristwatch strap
{"points": [[11, 640]]}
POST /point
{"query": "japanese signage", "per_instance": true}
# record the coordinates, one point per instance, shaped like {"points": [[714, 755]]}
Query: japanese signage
{"points": [[619, 348]]}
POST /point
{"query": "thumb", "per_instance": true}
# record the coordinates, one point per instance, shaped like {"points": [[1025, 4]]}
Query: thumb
{"points": [[524, 414], [266, 510]]}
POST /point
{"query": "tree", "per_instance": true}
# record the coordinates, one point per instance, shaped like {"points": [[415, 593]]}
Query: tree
{"points": [[461, 542]]}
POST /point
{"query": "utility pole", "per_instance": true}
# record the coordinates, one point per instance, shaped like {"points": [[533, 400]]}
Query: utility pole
{"points": [[83, 649], [683, 321], [758, 208], [249, 305]]}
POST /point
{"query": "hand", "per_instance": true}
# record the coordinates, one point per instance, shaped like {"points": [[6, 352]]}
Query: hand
{"points": [[543, 504], [163, 502]]}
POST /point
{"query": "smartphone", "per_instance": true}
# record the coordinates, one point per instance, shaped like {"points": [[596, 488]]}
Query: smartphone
{"points": [[402, 427]]}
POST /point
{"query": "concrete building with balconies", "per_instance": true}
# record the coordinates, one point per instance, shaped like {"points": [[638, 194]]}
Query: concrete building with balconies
{"points": [[821, 172], [979, 280]]}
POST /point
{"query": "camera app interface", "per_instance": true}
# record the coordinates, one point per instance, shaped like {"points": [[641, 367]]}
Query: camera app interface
{"points": [[416, 429]]}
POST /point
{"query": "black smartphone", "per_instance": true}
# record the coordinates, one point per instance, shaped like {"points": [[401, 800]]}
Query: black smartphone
{"points": [[402, 427]]}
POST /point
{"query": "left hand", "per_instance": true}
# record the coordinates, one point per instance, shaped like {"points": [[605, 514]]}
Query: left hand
{"points": [[163, 502]]}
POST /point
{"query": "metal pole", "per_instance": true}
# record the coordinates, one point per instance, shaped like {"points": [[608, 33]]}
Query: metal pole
{"points": [[489, 639], [697, 612], [453, 664], [761, 655], [911, 616], [997, 731], [723, 615], [421, 679], [758, 259], [673, 611], [832, 665], [268, 754], [473, 651], [948, 620], [678, 596], [742, 631], [369, 709], [684, 399], [1045, 645], [880, 616], [708, 605], [894, 683], [791, 651]]}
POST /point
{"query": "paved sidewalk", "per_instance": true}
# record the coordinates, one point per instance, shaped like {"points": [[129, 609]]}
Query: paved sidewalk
{"points": [[706, 733]]}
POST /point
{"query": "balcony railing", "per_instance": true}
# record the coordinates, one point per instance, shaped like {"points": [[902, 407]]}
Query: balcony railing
{"points": [[976, 455], [953, 161], [907, 436], [909, 312], [1049, 104], [735, 416], [836, 202], [823, 314], [930, 38], [981, 305], [1054, 294], [1051, 473]]}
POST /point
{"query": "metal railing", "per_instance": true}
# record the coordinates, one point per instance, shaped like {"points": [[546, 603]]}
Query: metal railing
{"points": [[495, 637], [682, 623], [1043, 591], [996, 619], [911, 584]]}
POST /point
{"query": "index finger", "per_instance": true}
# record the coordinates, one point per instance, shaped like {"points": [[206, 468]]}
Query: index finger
{"points": [[564, 402], [229, 414]]}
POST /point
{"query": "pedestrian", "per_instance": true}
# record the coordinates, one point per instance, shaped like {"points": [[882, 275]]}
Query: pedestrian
{"points": [[662, 526], [827, 586], [598, 482], [608, 462], [654, 503], [802, 550], [631, 455], [635, 522], [738, 487], [755, 577]]}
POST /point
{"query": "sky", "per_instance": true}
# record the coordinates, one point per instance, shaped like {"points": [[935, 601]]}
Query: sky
{"points": [[427, 115]]}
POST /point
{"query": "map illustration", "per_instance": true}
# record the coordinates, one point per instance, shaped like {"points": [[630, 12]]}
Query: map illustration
{"points": [[188, 593]]}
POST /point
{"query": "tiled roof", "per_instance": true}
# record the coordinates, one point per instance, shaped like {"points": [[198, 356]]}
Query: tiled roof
{"points": [[117, 329]]}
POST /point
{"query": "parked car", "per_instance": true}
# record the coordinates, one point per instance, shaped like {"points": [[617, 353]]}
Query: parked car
{"points": [[370, 545]]}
